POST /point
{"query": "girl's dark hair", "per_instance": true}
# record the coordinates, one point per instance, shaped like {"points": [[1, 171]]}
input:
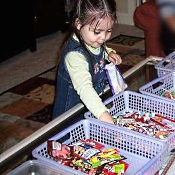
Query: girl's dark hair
{"points": [[88, 11]]}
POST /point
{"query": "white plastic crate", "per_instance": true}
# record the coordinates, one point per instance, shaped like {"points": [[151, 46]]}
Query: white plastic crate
{"points": [[166, 65], [144, 155], [133, 101], [35, 167], [157, 86]]}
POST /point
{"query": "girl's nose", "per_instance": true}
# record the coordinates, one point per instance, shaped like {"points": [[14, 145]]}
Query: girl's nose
{"points": [[103, 37]]}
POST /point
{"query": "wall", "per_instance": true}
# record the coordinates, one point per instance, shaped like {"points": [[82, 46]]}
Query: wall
{"points": [[125, 10]]}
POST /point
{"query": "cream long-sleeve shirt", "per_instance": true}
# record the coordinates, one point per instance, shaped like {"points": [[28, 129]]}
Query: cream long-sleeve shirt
{"points": [[78, 69]]}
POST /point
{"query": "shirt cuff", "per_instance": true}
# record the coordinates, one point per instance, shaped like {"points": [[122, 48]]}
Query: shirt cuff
{"points": [[100, 112]]}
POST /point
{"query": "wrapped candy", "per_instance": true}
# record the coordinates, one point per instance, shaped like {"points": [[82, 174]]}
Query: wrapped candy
{"points": [[89, 157]]}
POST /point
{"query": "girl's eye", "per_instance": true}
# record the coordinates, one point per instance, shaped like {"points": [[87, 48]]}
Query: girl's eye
{"points": [[97, 32], [109, 31]]}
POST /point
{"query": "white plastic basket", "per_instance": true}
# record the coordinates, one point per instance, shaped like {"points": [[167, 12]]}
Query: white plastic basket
{"points": [[166, 65], [133, 101], [36, 167], [144, 155], [157, 86]]}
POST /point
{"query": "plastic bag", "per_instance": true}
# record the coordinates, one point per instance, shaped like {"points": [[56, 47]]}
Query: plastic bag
{"points": [[116, 81]]}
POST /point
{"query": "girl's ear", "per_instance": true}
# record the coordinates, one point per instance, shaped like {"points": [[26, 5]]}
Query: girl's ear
{"points": [[78, 24]]}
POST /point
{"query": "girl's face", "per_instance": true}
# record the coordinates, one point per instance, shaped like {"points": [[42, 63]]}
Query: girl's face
{"points": [[95, 35]]}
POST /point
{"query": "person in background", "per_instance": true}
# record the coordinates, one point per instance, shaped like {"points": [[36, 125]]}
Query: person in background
{"points": [[81, 75], [167, 16]]}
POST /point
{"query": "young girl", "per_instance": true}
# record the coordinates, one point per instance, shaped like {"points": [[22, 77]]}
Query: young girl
{"points": [[81, 74]]}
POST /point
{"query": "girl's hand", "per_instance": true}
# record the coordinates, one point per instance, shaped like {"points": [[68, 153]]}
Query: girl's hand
{"points": [[115, 58], [106, 117]]}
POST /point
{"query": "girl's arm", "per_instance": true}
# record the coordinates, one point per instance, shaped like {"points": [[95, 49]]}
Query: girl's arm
{"points": [[78, 69]]}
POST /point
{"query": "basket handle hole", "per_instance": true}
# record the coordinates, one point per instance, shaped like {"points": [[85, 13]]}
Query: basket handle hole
{"points": [[110, 105], [166, 62], [158, 84], [64, 138]]}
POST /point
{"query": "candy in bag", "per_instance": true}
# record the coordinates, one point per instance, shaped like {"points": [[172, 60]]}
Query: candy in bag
{"points": [[116, 81]]}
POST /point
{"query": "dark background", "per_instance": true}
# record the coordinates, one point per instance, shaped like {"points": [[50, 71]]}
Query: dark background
{"points": [[23, 21]]}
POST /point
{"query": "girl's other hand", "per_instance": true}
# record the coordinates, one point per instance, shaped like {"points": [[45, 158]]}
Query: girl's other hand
{"points": [[115, 58]]}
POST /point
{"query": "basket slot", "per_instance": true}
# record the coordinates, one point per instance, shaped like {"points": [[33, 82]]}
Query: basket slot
{"points": [[109, 103], [157, 84], [166, 62], [64, 138], [166, 65]]}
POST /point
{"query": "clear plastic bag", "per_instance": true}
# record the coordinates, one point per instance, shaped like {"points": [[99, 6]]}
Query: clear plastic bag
{"points": [[116, 81]]}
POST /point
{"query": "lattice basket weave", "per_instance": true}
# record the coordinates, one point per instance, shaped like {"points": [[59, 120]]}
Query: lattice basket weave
{"points": [[144, 155], [137, 102], [166, 65]]}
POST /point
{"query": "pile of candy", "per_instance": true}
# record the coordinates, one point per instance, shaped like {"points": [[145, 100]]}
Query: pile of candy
{"points": [[147, 123], [89, 157], [168, 94]]}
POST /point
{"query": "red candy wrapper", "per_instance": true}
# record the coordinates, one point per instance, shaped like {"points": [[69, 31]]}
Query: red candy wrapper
{"points": [[57, 150], [93, 143], [52, 146], [84, 151], [87, 156], [115, 168]]}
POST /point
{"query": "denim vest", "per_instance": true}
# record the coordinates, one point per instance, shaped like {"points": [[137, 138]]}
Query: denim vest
{"points": [[66, 95]]}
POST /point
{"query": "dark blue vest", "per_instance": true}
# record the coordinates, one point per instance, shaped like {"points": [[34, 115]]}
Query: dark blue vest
{"points": [[66, 96]]}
